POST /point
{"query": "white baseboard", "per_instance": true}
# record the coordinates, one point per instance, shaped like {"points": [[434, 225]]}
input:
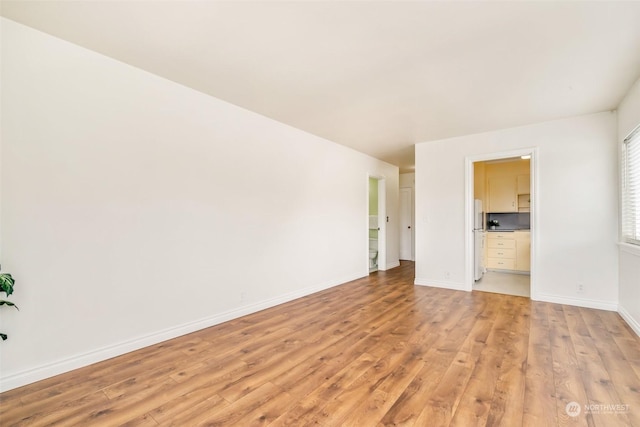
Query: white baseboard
{"points": [[633, 323], [48, 370], [440, 284], [578, 302]]}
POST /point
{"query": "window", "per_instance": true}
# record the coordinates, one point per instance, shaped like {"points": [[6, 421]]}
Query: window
{"points": [[631, 188]]}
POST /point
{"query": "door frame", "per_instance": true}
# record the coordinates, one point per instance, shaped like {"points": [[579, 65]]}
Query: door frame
{"points": [[469, 207], [382, 222]]}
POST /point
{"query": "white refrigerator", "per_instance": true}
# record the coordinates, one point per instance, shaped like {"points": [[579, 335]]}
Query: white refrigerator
{"points": [[478, 240]]}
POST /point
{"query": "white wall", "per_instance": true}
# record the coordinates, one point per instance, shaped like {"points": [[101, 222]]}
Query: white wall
{"points": [[628, 119], [576, 231], [135, 209]]}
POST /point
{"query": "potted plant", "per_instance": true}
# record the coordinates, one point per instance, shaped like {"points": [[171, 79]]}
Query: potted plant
{"points": [[493, 223], [6, 286]]}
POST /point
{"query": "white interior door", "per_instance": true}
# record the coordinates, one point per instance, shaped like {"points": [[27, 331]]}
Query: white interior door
{"points": [[406, 236]]}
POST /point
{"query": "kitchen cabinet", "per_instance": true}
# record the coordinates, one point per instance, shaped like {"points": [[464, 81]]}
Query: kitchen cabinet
{"points": [[500, 182], [509, 250], [523, 250], [501, 251], [524, 203], [523, 184], [524, 192], [502, 195], [509, 193]]}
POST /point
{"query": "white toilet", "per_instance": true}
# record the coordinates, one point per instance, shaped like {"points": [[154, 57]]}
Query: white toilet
{"points": [[373, 254], [373, 261]]}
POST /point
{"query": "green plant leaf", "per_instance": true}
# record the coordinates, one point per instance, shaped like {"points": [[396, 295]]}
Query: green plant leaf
{"points": [[9, 303], [6, 283]]}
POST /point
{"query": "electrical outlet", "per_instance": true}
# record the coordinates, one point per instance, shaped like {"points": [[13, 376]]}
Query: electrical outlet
{"points": [[447, 275], [580, 288]]}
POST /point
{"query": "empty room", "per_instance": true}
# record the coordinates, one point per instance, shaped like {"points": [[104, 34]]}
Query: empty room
{"points": [[335, 213]]}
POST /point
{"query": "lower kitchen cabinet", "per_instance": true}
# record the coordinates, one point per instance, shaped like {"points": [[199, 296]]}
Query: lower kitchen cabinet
{"points": [[509, 250], [523, 250]]}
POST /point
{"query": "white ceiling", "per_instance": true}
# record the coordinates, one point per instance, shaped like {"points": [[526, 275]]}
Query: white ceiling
{"points": [[376, 76]]}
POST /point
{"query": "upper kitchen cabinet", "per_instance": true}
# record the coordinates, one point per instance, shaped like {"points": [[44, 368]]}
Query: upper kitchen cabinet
{"points": [[524, 193], [502, 195], [524, 184], [479, 183], [507, 185]]}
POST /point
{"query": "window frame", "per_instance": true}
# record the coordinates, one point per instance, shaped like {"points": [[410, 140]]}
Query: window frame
{"points": [[630, 209]]}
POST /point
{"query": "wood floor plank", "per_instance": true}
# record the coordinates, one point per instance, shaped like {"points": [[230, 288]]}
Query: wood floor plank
{"points": [[260, 399], [540, 394], [379, 400], [309, 408], [79, 383], [145, 420], [451, 333], [198, 413], [507, 404], [356, 393], [566, 370], [121, 411], [612, 381], [475, 400], [374, 351], [410, 404], [443, 401], [52, 414], [187, 404], [596, 379]]}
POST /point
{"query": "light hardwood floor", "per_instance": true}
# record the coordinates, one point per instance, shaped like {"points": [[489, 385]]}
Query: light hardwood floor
{"points": [[375, 351]]}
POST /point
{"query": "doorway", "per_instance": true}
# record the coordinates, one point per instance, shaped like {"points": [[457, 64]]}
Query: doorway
{"points": [[376, 223], [501, 186]]}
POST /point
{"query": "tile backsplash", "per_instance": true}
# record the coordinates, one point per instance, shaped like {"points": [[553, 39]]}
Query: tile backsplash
{"points": [[510, 221]]}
